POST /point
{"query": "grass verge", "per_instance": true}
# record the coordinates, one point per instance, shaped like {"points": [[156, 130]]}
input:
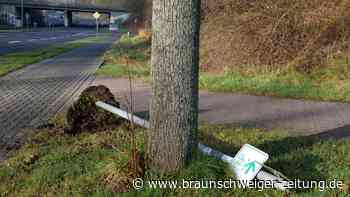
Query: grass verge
{"points": [[14, 61], [128, 55], [325, 84], [52, 163]]}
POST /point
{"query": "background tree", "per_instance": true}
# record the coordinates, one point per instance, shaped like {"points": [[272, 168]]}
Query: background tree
{"points": [[174, 108]]}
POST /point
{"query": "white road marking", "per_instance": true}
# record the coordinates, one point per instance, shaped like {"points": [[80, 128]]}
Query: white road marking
{"points": [[14, 42]]}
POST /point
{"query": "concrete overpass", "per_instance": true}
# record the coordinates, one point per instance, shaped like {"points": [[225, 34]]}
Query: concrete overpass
{"points": [[69, 6]]}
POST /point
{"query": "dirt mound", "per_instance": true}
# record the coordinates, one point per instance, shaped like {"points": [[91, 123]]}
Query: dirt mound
{"points": [[85, 116]]}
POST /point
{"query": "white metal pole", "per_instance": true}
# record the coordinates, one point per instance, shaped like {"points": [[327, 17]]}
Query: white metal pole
{"points": [[97, 26], [139, 121]]}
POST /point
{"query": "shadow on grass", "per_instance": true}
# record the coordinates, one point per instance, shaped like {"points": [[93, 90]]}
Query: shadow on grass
{"points": [[287, 155], [337, 133]]}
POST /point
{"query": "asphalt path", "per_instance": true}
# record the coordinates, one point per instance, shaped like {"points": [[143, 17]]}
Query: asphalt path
{"points": [[297, 117], [12, 42]]}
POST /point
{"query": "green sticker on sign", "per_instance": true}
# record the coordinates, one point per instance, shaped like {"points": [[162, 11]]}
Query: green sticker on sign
{"points": [[247, 162], [250, 167]]}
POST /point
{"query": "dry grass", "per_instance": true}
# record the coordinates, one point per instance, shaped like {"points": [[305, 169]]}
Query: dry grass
{"points": [[273, 32]]}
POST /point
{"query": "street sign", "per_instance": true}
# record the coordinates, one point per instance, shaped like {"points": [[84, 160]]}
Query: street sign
{"points": [[247, 162], [97, 15]]}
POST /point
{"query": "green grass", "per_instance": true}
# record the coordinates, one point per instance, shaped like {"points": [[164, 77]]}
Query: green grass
{"points": [[15, 61], [55, 164], [325, 84], [4, 27], [304, 158], [129, 55]]}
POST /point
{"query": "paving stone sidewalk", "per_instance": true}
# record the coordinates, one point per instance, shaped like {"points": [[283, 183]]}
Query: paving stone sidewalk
{"points": [[30, 96], [298, 117]]}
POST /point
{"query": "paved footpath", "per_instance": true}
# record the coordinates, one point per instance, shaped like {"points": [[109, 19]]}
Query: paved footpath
{"points": [[295, 116], [30, 96]]}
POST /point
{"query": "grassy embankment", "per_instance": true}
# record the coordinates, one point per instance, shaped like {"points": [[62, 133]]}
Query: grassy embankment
{"points": [[327, 84], [52, 163], [14, 61], [277, 48]]}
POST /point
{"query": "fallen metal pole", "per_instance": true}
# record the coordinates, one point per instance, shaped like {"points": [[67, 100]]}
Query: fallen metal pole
{"points": [[262, 175], [139, 121]]}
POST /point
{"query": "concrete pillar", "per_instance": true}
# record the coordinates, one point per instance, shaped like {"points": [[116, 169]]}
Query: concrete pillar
{"points": [[109, 17], [68, 18], [18, 22]]}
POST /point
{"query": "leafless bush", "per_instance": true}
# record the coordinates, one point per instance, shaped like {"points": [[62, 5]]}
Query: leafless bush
{"points": [[274, 32]]}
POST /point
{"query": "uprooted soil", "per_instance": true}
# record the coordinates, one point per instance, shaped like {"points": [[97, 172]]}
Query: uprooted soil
{"points": [[85, 116]]}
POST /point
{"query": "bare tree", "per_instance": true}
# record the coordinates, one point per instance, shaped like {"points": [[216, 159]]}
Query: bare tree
{"points": [[174, 108]]}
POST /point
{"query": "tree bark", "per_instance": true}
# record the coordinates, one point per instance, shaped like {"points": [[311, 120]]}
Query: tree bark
{"points": [[172, 138]]}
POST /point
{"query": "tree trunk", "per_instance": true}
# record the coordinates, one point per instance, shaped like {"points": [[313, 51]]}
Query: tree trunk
{"points": [[174, 108]]}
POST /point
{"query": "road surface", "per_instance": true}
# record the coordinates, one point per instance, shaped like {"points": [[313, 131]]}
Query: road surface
{"points": [[30, 96], [11, 42]]}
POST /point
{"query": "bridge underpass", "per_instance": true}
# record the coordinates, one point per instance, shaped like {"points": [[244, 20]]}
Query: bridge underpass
{"points": [[68, 7], [35, 17]]}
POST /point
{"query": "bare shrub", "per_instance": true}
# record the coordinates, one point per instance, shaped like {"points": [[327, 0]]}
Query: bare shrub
{"points": [[273, 32]]}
